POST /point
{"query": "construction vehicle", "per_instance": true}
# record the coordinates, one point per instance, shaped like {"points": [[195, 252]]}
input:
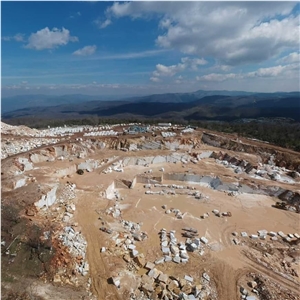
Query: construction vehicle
{"points": [[107, 230]]}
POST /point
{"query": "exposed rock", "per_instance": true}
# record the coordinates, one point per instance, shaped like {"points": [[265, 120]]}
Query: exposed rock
{"points": [[163, 278], [140, 260]]}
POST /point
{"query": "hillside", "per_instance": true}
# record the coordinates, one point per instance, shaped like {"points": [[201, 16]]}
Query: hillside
{"points": [[183, 107]]}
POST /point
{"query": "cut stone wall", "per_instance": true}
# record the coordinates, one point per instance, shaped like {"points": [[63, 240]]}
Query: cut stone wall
{"points": [[48, 199]]}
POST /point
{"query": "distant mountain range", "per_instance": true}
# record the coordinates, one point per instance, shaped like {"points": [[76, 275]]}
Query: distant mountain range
{"points": [[26, 101], [199, 105]]}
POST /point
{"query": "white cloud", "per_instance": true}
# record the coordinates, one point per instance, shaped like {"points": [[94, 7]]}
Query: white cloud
{"points": [[193, 63], [267, 72], [234, 33], [154, 79], [179, 80], [279, 71], [169, 71], [291, 58], [19, 37], [85, 51], [105, 23], [50, 39], [77, 14], [165, 23], [218, 77]]}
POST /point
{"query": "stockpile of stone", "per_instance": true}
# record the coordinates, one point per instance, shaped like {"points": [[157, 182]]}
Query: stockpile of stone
{"points": [[11, 147], [187, 130], [267, 171], [162, 192], [168, 134], [68, 192], [134, 229], [157, 285], [60, 131], [101, 133], [133, 147], [77, 248], [181, 190], [115, 211], [177, 212], [66, 207], [274, 236], [171, 249], [196, 244], [125, 241]]}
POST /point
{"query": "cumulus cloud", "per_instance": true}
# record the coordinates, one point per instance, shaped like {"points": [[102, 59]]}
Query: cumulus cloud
{"points": [[50, 39], [162, 70], [19, 37], [85, 51], [234, 33], [169, 71], [154, 79], [293, 57], [269, 72]]}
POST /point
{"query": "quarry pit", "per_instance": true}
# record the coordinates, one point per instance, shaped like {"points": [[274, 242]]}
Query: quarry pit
{"points": [[173, 213]]}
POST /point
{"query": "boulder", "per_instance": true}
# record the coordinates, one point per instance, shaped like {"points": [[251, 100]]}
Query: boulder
{"points": [[153, 273], [140, 260], [252, 284], [149, 265], [163, 278]]}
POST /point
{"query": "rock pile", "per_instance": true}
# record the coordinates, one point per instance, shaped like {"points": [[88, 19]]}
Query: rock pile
{"points": [[166, 134], [12, 147], [115, 211], [101, 133], [172, 250], [262, 235], [66, 207], [158, 285], [77, 248]]}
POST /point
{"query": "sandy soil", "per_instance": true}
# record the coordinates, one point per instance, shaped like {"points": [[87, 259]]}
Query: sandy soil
{"points": [[250, 213], [224, 262]]}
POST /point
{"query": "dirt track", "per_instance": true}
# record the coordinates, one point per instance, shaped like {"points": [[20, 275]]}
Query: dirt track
{"points": [[99, 271]]}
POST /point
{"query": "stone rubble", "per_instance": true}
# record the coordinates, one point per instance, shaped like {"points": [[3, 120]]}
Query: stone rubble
{"points": [[77, 248]]}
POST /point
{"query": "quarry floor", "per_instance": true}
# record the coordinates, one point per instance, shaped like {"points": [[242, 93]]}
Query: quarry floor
{"points": [[224, 262]]}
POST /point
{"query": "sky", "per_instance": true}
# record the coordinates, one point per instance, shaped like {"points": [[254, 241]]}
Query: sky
{"points": [[139, 48]]}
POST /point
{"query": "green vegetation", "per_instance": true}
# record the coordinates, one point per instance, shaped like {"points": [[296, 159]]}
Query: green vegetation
{"points": [[282, 134]]}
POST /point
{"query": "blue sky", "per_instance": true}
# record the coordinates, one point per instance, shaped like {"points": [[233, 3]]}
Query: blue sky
{"points": [[115, 48]]}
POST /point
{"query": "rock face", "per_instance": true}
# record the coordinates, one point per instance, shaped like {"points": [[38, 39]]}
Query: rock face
{"points": [[20, 182], [88, 165], [25, 164], [67, 171], [37, 158], [48, 199]]}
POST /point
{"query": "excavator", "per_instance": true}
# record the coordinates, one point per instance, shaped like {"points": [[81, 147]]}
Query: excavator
{"points": [[285, 206]]}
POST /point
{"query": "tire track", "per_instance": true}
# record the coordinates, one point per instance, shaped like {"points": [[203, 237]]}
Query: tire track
{"points": [[273, 276]]}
